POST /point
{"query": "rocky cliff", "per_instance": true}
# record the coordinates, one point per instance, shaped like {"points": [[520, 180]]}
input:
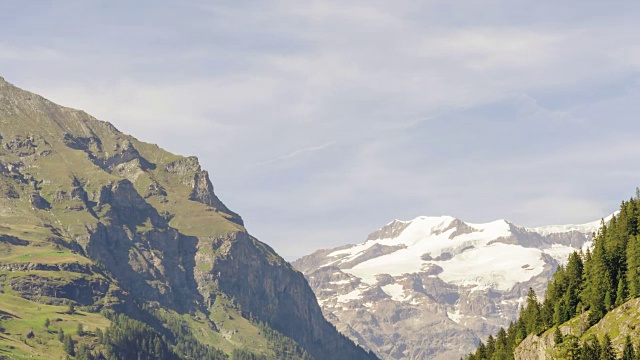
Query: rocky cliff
{"points": [[432, 287], [93, 216]]}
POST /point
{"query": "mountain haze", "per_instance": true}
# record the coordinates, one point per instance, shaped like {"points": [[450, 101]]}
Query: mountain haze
{"points": [[93, 217], [432, 287]]}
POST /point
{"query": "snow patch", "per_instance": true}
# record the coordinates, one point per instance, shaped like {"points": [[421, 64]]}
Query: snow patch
{"points": [[587, 228], [341, 282], [354, 295], [396, 291], [455, 316], [560, 252]]}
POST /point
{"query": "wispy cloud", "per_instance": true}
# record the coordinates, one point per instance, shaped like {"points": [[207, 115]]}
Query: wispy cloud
{"points": [[430, 107], [296, 153]]}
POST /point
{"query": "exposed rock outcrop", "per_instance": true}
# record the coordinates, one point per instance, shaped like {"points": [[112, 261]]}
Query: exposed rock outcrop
{"points": [[98, 218], [431, 288]]}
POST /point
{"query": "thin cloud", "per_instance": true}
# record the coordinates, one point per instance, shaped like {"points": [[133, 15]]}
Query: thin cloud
{"points": [[431, 108], [295, 153]]}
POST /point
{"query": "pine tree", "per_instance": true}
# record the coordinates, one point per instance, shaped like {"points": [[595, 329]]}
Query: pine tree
{"points": [[621, 292], [596, 279], [68, 345], [491, 347], [608, 304], [607, 352], [597, 312], [481, 352], [597, 349], [574, 270], [99, 335], [47, 322], [80, 330], [531, 315], [590, 349], [628, 353], [571, 300], [557, 336], [60, 335], [633, 266]]}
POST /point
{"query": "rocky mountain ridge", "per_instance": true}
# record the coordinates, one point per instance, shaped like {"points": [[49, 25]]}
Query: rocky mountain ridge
{"points": [[430, 288], [94, 217]]}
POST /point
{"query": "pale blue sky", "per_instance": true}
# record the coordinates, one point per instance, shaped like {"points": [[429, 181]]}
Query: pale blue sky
{"points": [[321, 121]]}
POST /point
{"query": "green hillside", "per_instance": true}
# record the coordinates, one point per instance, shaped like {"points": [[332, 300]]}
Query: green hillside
{"points": [[591, 304], [136, 239]]}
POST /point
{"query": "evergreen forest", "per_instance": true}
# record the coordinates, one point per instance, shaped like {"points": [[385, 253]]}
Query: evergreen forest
{"points": [[591, 284]]}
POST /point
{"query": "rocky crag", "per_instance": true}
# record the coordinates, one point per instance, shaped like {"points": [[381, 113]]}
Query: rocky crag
{"points": [[94, 217], [431, 288]]}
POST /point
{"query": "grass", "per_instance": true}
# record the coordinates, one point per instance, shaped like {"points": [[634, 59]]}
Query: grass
{"points": [[53, 175], [618, 323], [39, 254], [20, 317]]}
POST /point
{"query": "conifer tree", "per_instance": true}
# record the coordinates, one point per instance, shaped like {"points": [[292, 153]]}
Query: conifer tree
{"points": [[490, 347], [597, 282], [557, 336], [481, 352], [608, 304], [559, 313], [607, 352], [633, 265], [68, 345], [574, 270], [597, 349], [628, 353], [621, 292], [590, 349], [531, 314]]}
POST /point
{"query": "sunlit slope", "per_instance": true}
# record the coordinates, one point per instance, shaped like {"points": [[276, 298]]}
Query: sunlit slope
{"points": [[94, 217]]}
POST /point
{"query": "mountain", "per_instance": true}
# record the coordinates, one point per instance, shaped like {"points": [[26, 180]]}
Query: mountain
{"points": [[432, 287], [136, 240]]}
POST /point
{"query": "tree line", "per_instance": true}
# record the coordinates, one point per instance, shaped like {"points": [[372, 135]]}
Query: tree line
{"points": [[590, 285]]}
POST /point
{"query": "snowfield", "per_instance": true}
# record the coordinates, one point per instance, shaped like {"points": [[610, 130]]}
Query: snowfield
{"points": [[437, 282], [471, 255]]}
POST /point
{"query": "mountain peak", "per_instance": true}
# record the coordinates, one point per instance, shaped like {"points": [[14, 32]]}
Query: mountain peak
{"points": [[469, 278], [589, 227], [127, 226]]}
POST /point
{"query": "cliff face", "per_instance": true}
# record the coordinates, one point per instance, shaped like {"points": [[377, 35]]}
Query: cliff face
{"points": [[432, 287], [140, 228]]}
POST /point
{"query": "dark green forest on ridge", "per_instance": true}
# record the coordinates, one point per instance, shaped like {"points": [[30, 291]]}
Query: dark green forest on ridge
{"points": [[590, 285]]}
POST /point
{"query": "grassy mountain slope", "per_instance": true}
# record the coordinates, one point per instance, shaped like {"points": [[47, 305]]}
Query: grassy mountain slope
{"points": [[93, 217], [593, 300], [617, 325]]}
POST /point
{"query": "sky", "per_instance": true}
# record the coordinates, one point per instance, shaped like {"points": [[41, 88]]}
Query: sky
{"points": [[321, 121]]}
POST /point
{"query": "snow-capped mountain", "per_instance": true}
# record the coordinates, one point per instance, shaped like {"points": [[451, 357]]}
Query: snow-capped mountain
{"points": [[431, 287]]}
